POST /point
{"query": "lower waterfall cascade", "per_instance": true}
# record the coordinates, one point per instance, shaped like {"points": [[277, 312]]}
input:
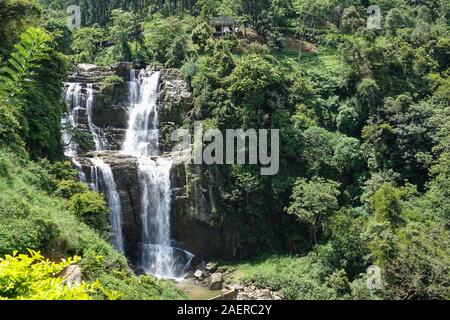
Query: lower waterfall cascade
{"points": [[157, 256], [113, 199]]}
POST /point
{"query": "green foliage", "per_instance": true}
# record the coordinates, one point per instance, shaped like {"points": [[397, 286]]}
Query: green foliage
{"points": [[313, 201], [68, 188], [16, 15], [351, 20], [87, 43], [123, 28], [43, 109], [386, 204], [253, 80], [31, 277], [200, 35], [349, 247], [33, 47], [91, 208], [139, 288], [31, 110], [177, 53], [159, 35]]}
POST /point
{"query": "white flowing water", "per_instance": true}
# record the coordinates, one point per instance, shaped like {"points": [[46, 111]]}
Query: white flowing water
{"points": [[70, 120], [80, 98], [157, 256], [101, 144], [141, 138], [113, 198]]}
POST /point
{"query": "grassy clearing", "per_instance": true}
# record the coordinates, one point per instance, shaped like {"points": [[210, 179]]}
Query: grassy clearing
{"points": [[324, 59]]}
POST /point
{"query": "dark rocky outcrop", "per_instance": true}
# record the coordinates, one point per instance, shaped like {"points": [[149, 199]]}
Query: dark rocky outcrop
{"points": [[174, 104], [193, 210]]}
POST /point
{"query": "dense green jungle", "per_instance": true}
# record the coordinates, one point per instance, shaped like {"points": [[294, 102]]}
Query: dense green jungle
{"points": [[94, 206]]}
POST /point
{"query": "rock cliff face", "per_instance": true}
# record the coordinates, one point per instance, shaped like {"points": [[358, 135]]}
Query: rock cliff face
{"points": [[193, 211], [193, 205], [174, 104]]}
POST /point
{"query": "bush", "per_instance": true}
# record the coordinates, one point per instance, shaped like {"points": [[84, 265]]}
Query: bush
{"points": [[109, 83], [139, 287], [177, 53], [20, 234], [68, 188], [200, 35], [31, 277], [90, 207]]}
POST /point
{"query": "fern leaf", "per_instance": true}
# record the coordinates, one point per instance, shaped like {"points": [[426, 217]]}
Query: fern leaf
{"points": [[22, 51], [17, 65], [7, 70]]}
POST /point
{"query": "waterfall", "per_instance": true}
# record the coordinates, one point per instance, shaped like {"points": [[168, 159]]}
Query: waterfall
{"points": [[141, 138], [156, 253], [101, 144], [157, 256], [113, 198], [80, 97], [69, 120]]}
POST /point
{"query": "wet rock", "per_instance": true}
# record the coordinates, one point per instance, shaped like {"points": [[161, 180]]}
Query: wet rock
{"points": [[264, 295], [216, 281], [198, 274], [174, 103], [87, 67], [211, 267]]}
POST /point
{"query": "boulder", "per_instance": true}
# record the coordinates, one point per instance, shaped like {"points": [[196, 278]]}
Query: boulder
{"points": [[72, 275], [198, 274], [87, 67], [264, 294], [216, 281], [211, 267], [122, 69], [277, 296]]}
